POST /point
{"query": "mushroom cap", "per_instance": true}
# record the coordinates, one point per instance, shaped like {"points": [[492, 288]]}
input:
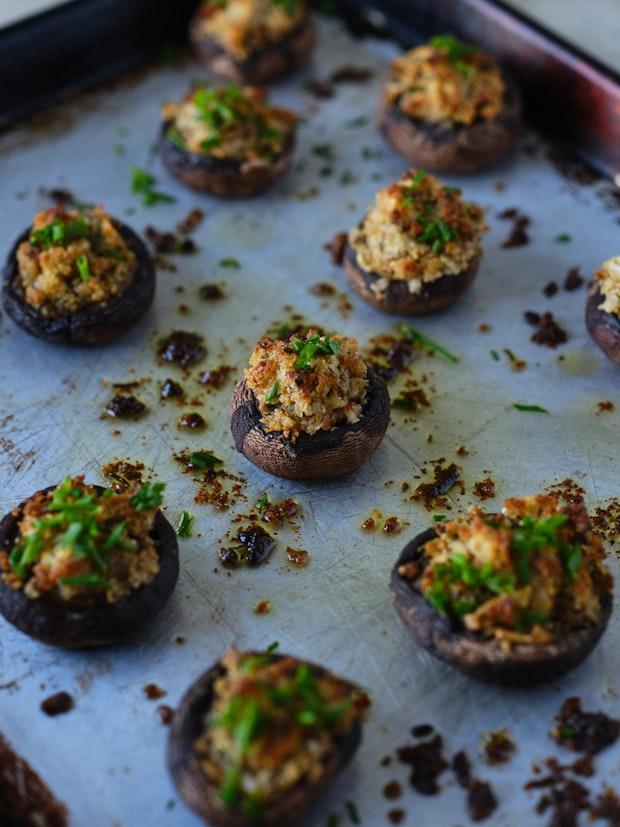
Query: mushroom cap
{"points": [[604, 327], [472, 654], [263, 66], [322, 455], [397, 298], [202, 797], [454, 148], [99, 624], [95, 323], [224, 177]]}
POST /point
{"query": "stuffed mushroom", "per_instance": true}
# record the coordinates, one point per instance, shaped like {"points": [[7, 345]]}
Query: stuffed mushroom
{"points": [[603, 309], [78, 276], [449, 107], [309, 408], [253, 41], [84, 566], [259, 736], [514, 598], [418, 247], [227, 140]]}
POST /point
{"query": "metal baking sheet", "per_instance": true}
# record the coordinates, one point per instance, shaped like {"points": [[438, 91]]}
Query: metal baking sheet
{"points": [[106, 758]]}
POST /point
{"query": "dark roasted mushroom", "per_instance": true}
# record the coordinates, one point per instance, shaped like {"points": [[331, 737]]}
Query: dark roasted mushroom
{"points": [[309, 408], [90, 324], [483, 136], [604, 325], [263, 65], [471, 652], [285, 809], [226, 140], [89, 622], [404, 257]]}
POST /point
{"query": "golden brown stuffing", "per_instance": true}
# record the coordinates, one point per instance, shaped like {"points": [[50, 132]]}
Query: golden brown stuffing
{"points": [[245, 26], [418, 230], [272, 724], [73, 258], [230, 122], [446, 82], [305, 385], [608, 277], [526, 575], [76, 542]]}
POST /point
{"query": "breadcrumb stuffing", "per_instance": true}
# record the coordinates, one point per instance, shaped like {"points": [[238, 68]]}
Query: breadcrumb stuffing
{"points": [[245, 26], [230, 122], [91, 264], [329, 390], [425, 83], [418, 230], [608, 277]]}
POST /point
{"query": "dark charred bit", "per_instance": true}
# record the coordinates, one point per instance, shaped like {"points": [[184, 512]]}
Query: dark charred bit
{"points": [[322, 288], [59, 195], [518, 236], [396, 816], [252, 546], [169, 242], [570, 167], [165, 713], [532, 318], [582, 731], [351, 74], [57, 704], [171, 390], [121, 474], [461, 767], [211, 292], [574, 280], [498, 746], [190, 222], [550, 289], [427, 764], [125, 406], [481, 801], [216, 377], [607, 806], [321, 89], [153, 692], [422, 730], [297, 556], [337, 248], [192, 421], [446, 477], [392, 790], [25, 799], [484, 489], [182, 348], [549, 332]]}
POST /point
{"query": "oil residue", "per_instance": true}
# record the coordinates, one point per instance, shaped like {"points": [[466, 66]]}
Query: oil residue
{"points": [[579, 362]]}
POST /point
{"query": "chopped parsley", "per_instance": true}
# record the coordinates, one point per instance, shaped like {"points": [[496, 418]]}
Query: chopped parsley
{"points": [[184, 526], [59, 233], [83, 267], [272, 393], [204, 459], [314, 345], [142, 183], [412, 335], [230, 263], [529, 408]]}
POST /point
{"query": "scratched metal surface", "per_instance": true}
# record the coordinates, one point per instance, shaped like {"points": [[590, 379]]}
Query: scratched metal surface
{"points": [[106, 758]]}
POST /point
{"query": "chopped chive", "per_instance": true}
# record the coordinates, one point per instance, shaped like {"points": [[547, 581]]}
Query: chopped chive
{"points": [[494, 355], [142, 183], [273, 646], [83, 267], [563, 238], [530, 408], [439, 518], [94, 580], [204, 459], [413, 335], [352, 812], [230, 263], [272, 394], [184, 526]]}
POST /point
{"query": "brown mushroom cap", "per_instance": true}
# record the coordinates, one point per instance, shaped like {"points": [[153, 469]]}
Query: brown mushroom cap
{"points": [[266, 65], [318, 456], [203, 797], [58, 623], [397, 298], [604, 327], [228, 178], [455, 148], [93, 324], [485, 660]]}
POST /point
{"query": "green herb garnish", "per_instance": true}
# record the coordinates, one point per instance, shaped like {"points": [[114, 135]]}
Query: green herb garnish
{"points": [[436, 232], [59, 233], [148, 496], [563, 238], [346, 178], [94, 580], [184, 526], [204, 459], [142, 183], [83, 267], [273, 646], [230, 263], [324, 151], [494, 355], [456, 52], [529, 408], [531, 535], [354, 123], [352, 812], [412, 335], [439, 518], [289, 6], [175, 137], [314, 345], [411, 185], [272, 393], [263, 502]]}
